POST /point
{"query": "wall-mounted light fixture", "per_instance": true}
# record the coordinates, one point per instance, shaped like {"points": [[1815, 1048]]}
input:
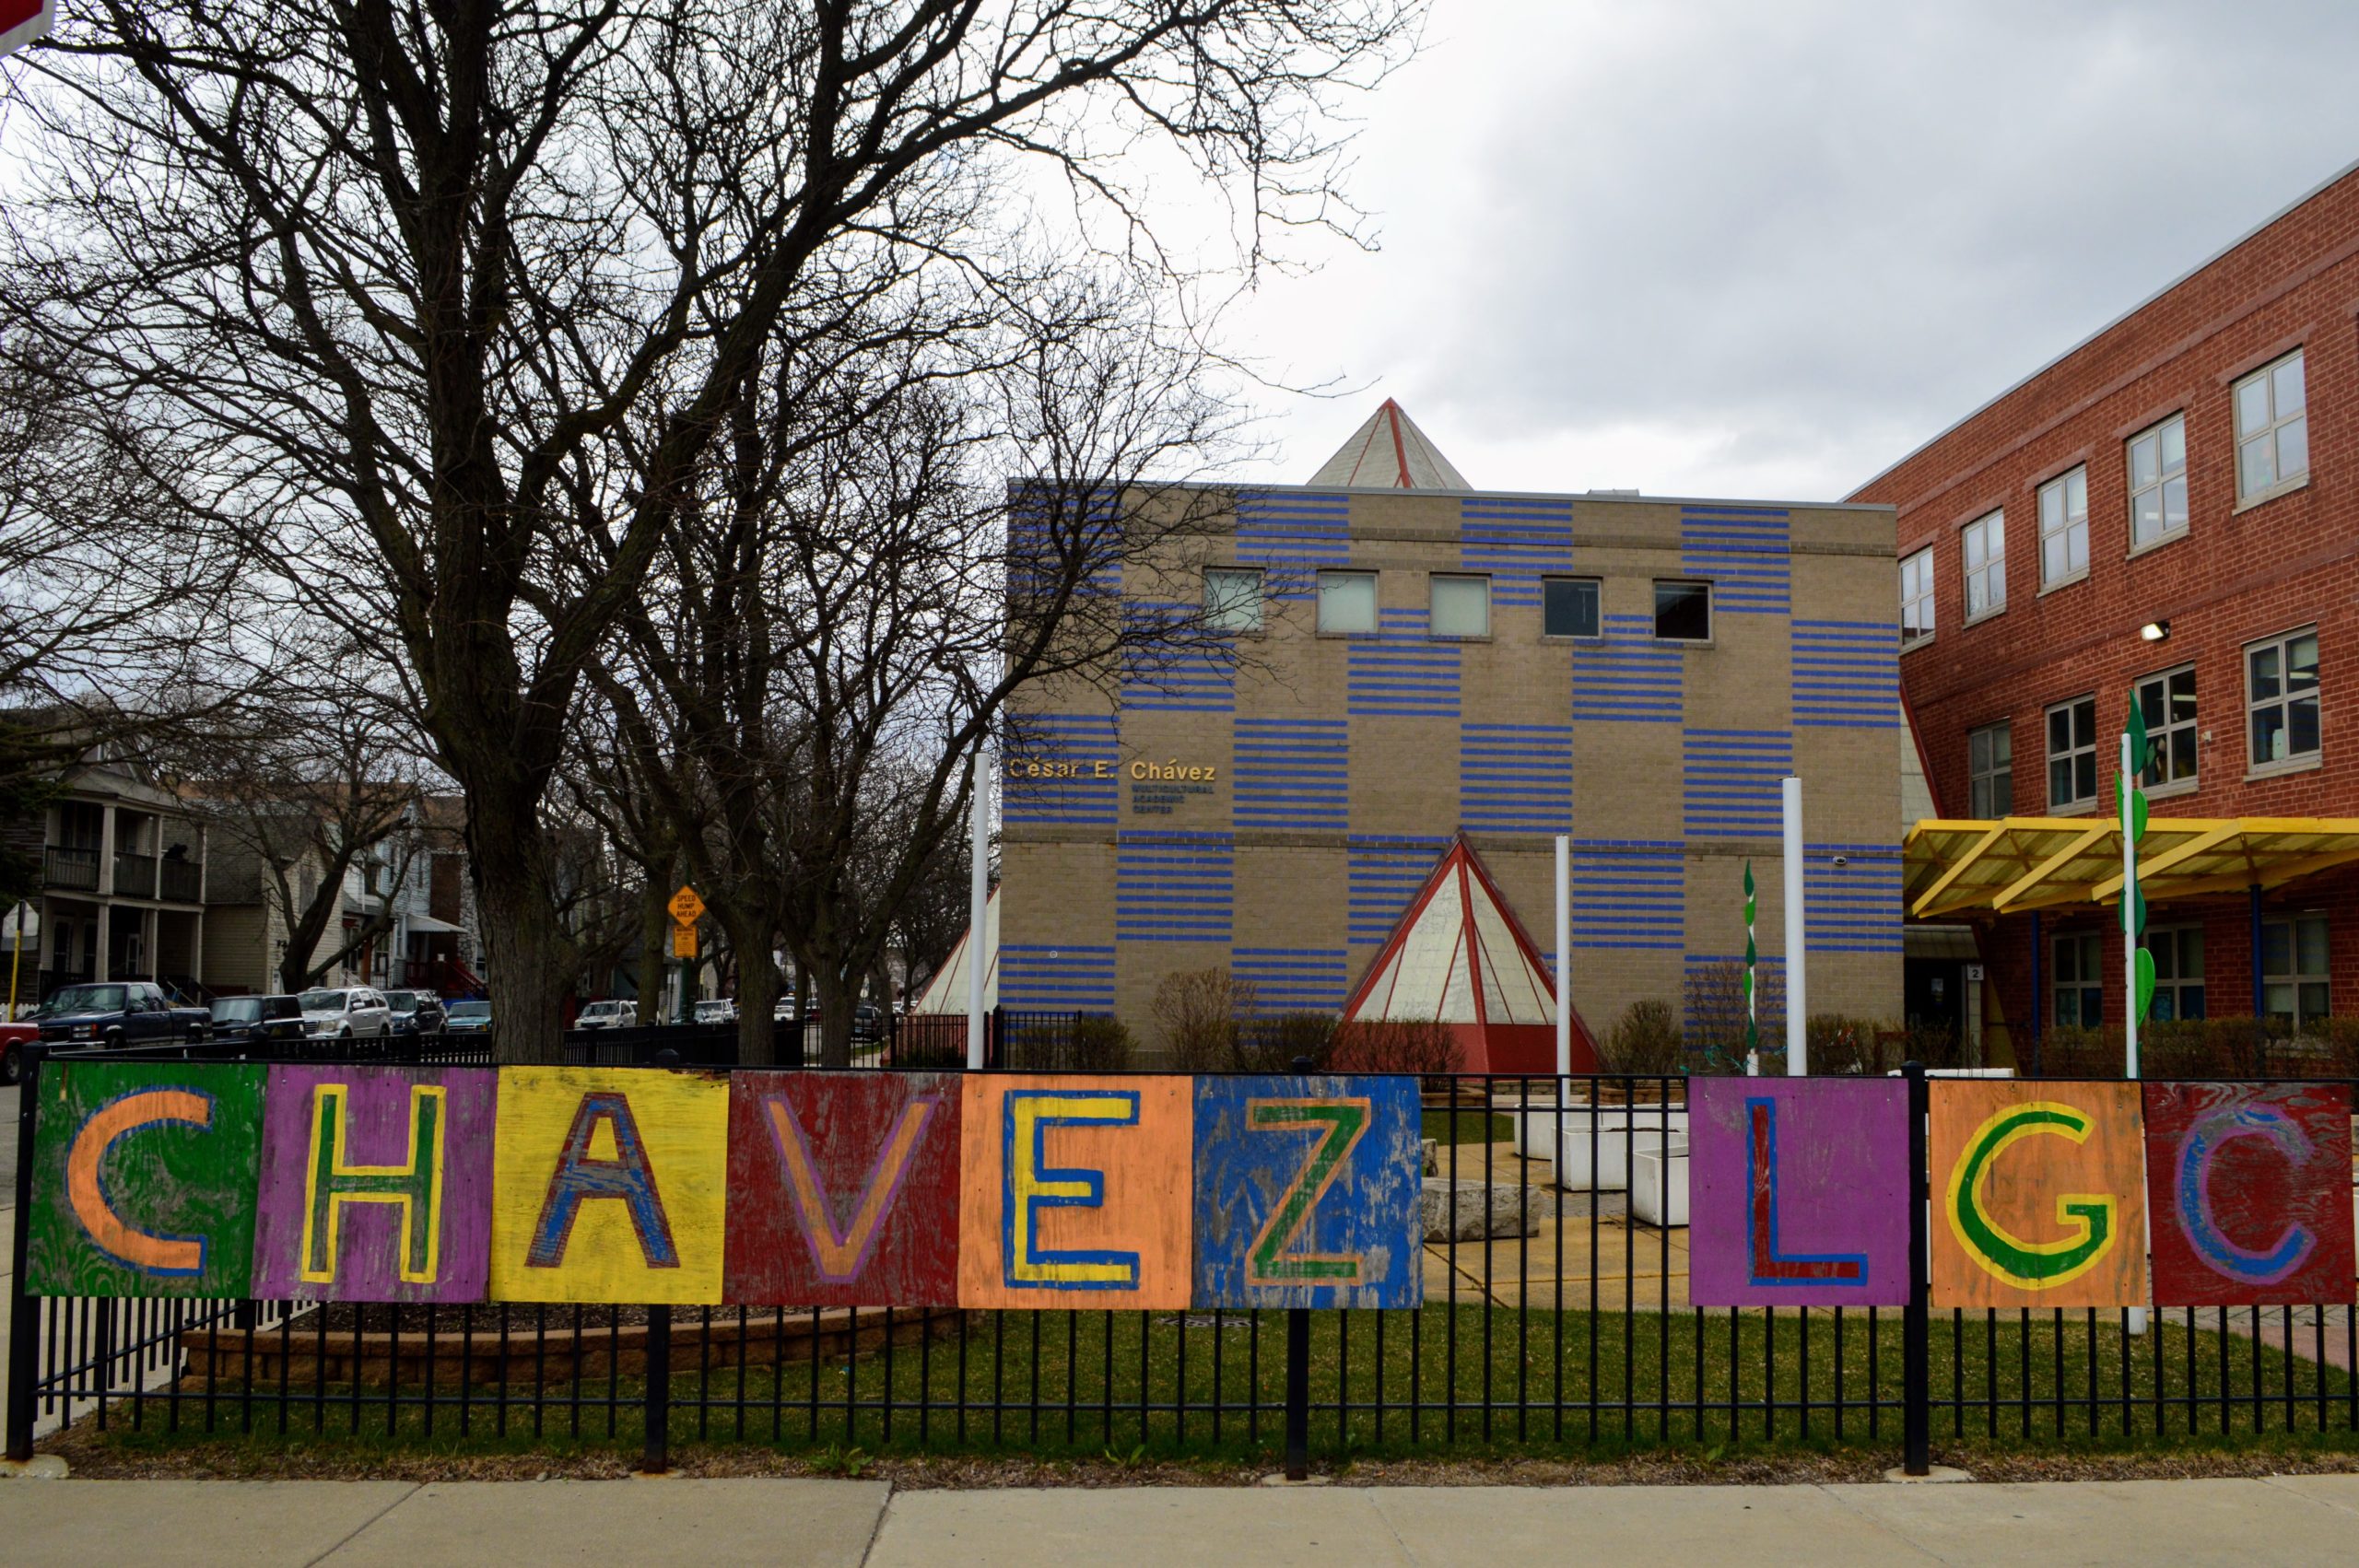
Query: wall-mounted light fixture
{"points": [[2155, 631]]}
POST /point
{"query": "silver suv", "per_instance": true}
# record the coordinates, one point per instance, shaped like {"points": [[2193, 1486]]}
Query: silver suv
{"points": [[353, 1012]]}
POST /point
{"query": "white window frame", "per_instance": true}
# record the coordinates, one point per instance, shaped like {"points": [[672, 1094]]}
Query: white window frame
{"points": [[1432, 587], [1375, 608], [1978, 778], [2169, 945], [2088, 950], [1709, 625], [1982, 560], [1917, 595], [2065, 526], [2073, 751], [2159, 735], [1597, 600], [2159, 484], [2275, 423], [1218, 614], [2293, 761], [2293, 981]]}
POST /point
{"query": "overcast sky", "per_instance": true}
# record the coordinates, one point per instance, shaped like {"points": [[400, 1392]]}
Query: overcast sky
{"points": [[1724, 247]]}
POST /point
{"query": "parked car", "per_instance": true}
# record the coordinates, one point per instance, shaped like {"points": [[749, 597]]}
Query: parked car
{"points": [[258, 1020], [717, 1010], [867, 1022], [608, 1015], [467, 1018], [353, 1012], [415, 1013], [118, 1012], [14, 1038]]}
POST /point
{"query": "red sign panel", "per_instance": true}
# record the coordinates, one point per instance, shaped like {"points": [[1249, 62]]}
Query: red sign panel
{"points": [[21, 21]]}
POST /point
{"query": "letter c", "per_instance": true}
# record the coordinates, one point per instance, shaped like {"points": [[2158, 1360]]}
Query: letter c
{"points": [[173, 1257]]}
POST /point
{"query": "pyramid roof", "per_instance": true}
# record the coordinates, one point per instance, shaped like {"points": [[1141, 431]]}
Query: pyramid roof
{"points": [[946, 992], [1390, 452]]}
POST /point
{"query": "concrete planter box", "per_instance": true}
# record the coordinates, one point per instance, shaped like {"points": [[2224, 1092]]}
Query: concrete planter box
{"points": [[1599, 1143], [1659, 1185]]}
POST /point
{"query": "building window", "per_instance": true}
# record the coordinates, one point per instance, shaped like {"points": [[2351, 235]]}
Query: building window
{"points": [[2281, 692], [2178, 972], [2158, 483], [1347, 602], [2079, 984], [2167, 703], [1683, 612], [2293, 968], [1569, 606], [2064, 527], [1232, 598], [1984, 547], [1917, 597], [1459, 606], [2072, 753], [1990, 770], [2272, 430]]}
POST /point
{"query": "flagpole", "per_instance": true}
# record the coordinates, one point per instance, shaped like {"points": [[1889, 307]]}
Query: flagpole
{"points": [[2137, 964]]}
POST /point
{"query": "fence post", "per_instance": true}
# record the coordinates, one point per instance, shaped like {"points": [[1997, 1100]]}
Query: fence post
{"points": [[657, 1457], [1916, 1370], [1298, 1373], [24, 1311]]}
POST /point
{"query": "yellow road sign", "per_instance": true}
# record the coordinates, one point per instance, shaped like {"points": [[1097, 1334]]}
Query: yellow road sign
{"points": [[685, 906], [684, 942]]}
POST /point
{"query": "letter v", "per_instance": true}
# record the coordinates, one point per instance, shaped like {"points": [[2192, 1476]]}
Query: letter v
{"points": [[839, 1254]]}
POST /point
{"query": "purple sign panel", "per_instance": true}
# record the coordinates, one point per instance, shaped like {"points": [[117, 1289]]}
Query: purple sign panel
{"points": [[1800, 1192], [376, 1184]]}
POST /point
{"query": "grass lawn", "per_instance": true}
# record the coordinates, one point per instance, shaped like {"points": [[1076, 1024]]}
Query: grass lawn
{"points": [[1438, 1381], [1467, 1126]]}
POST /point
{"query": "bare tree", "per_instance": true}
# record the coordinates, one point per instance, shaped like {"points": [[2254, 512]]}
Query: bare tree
{"points": [[451, 302]]}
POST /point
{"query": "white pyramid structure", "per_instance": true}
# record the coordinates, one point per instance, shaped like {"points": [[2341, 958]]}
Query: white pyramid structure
{"points": [[1390, 452], [946, 992], [1459, 957]]}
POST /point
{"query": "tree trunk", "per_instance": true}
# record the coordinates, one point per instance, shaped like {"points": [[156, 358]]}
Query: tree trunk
{"points": [[839, 994], [529, 955], [655, 950], [757, 1000]]}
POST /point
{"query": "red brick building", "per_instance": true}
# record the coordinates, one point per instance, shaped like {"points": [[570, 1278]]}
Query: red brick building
{"points": [[2171, 509]]}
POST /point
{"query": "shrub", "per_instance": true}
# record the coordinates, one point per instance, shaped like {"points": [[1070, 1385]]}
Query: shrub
{"points": [[2072, 1052], [1097, 1043], [1200, 1013], [1272, 1044], [1841, 1044], [1420, 1047], [1645, 1040], [1714, 994]]}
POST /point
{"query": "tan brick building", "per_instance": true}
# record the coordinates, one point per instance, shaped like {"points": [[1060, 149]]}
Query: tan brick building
{"points": [[1639, 672]]}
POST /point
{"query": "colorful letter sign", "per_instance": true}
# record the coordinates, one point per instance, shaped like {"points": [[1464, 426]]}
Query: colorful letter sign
{"points": [[144, 1180], [2037, 1196], [1077, 1191], [2250, 1188], [376, 1184], [1801, 1195], [610, 1185], [843, 1188], [1308, 1192]]}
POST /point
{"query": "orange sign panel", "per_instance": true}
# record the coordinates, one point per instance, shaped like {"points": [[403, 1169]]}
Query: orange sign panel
{"points": [[685, 906], [2039, 1196]]}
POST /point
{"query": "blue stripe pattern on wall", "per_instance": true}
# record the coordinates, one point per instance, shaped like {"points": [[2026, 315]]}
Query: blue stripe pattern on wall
{"points": [[1847, 674], [1744, 551], [1517, 542], [1181, 680], [1629, 894], [1082, 738], [1293, 533], [1515, 778], [1400, 673], [1729, 781], [1293, 773], [1039, 978], [1289, 978], [1174, 886], [1039, 552], [1386, 874], [1773, 992], [1853, 908], [1627, 677]]}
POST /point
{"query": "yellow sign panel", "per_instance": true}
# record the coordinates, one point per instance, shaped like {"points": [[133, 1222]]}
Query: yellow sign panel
{"points": [[685, 906], [608, 1185], [684, 942]]}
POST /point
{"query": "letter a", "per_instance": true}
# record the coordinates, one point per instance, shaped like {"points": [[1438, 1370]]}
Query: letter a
{"points": [[1769, 1266], [627, 1177]]}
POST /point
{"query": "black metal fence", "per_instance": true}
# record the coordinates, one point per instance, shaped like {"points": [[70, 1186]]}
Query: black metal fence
{"points": [[1555, 1318]]}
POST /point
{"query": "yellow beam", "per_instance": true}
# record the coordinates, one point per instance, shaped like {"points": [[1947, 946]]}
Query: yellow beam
{"points": [[2273, 877], [2111, 886], [2071, 851], [1957, 869]]}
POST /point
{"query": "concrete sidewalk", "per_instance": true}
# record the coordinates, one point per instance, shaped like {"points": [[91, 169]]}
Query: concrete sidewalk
{"points": [[821, 1523]]}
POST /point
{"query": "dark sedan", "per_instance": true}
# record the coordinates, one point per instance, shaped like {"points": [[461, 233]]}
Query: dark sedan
{"points": [[257, 1020], [416, 1012]]}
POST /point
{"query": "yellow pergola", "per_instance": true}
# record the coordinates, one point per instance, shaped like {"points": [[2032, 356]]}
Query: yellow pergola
{"points": [[1956, 870]]}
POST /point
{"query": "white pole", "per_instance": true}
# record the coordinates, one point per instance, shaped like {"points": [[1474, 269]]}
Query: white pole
{"points": [[1797, 983], [1564, 964], [2136, 1317], [979, 879]]}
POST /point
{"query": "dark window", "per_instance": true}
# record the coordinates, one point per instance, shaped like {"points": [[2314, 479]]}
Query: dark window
{"points": [[1569, 606], [1683, 612]]}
